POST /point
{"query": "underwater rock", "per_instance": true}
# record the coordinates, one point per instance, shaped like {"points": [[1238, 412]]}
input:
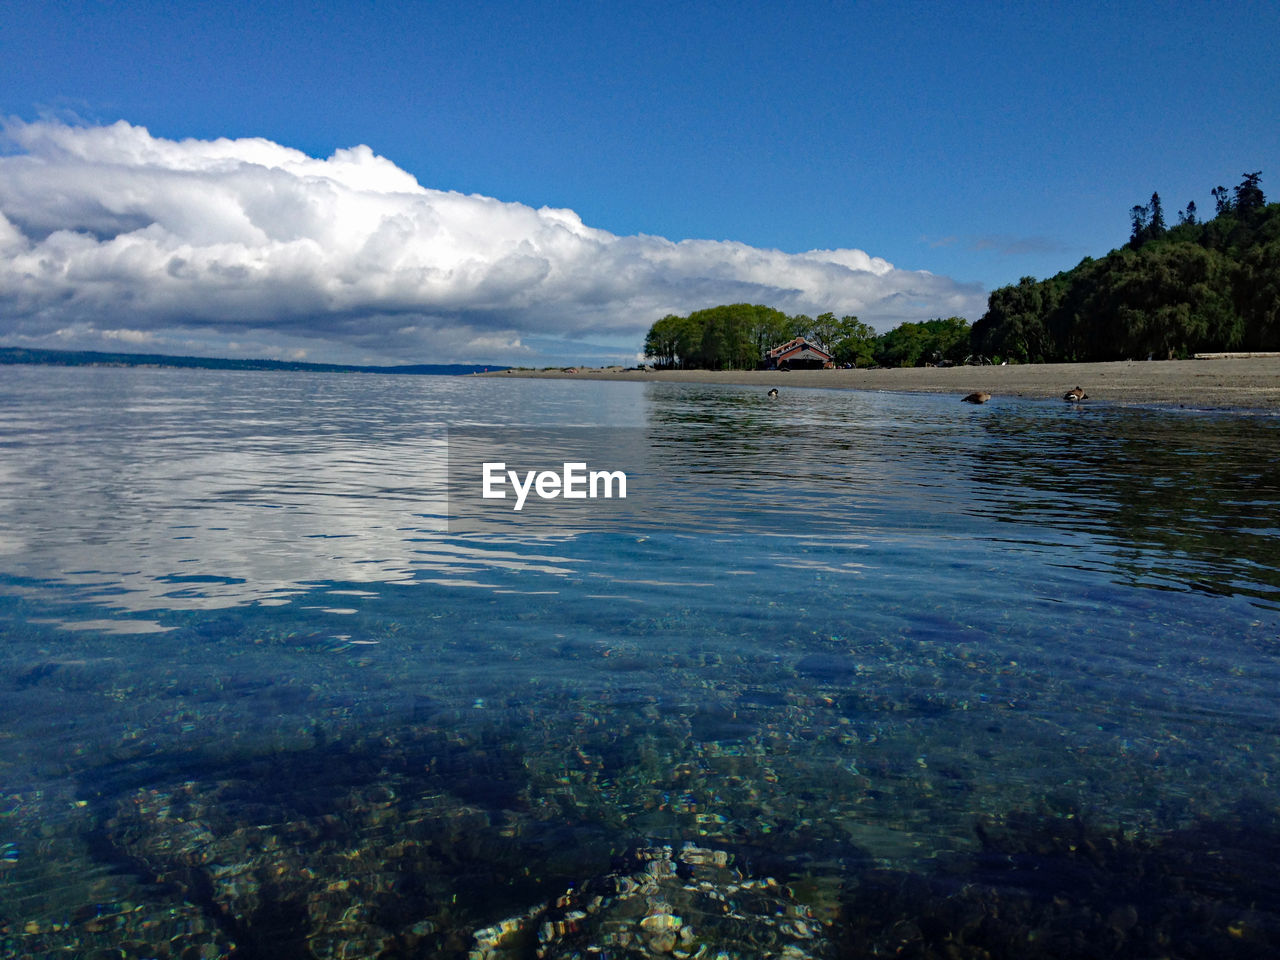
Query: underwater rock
{"points": [[687, 902]]}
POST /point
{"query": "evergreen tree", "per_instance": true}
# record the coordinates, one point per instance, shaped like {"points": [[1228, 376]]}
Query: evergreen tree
{"points": [[1138, 215], [1188, 215], [1249, 195], [1156, 226], [1148, 222]]}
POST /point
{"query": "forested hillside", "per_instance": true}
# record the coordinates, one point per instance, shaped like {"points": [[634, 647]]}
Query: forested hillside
{"points": [[1171, 291]]}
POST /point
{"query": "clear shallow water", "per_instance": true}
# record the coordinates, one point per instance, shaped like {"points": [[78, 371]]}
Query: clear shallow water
{"points": [[256, 693]]}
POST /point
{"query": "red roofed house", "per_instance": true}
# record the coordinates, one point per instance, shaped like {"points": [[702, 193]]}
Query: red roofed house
{"points": [[797, 354]]}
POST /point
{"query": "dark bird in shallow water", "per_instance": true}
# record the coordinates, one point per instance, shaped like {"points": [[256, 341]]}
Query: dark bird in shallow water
{"points": [[978, 397], [1075, 396], [773, 392]]}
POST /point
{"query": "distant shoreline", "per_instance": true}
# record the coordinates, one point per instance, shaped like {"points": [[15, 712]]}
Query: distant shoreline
{"points": [[1238, 383], [23, 356]]}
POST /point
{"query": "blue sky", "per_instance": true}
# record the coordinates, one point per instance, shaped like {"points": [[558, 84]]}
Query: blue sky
{"points": [[978, 142]]}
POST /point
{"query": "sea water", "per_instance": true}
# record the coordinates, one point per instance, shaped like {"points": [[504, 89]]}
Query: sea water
{"points": [[894, 654]]}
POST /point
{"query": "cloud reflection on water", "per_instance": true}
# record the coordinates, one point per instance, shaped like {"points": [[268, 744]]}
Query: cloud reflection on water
{"points": [[142, 492]]}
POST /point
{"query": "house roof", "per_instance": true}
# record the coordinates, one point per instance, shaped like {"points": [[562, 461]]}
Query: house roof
{"points": [[791, 347]]}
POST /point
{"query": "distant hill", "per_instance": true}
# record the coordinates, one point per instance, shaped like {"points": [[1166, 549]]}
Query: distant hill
{"points": [[94, 358]]}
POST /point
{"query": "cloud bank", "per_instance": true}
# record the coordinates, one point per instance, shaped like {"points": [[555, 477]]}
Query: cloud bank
{"points": [[108, 234]]}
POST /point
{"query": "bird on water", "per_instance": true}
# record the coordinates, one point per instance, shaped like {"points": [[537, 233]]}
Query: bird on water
{"points": [[773, 392], [1075, 396], [978, 397]]}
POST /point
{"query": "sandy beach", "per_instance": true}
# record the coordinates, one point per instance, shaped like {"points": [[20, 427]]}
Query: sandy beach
{"points": [[1237, 383]]}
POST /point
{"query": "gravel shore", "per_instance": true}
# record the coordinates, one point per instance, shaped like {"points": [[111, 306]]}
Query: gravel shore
{"points": [[1237, 383]]}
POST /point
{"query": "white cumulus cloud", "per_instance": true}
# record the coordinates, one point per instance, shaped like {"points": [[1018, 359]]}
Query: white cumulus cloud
{"points": [[109, 229]]}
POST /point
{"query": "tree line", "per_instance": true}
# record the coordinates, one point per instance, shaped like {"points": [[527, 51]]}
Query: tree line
{"points": [[738, 336], [1171, 291]]}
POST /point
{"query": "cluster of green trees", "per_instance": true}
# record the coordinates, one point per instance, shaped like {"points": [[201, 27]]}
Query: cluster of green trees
{"points": [[738, 336], [1169, 292], [915, 344]]}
